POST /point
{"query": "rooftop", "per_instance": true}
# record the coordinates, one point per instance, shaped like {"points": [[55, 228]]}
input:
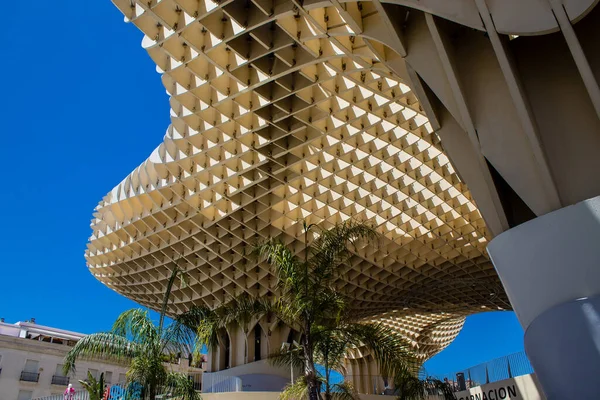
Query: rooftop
{"points": [[31, 330]]}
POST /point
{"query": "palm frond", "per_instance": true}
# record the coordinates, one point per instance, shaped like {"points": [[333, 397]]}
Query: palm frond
{"points": [[343, 391], [330, 249], [179, 338], [103, 346], [147, 370], [181, 334], [329, 306], [193, 316], [330, 348], [136, 325], [294, 357], [209, 327], [387, 347], [240, 311], [286, 311], [208, 333], [439, 388], [295, 391], [291, 274], [180, 387], [94, 387], [407, 386]]}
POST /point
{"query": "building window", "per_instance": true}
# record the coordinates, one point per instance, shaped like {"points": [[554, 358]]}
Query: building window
{"points": [[93, 372], [31, 366], [59, 377], [25, 395], [122, 378], [108, 377], [30, 371]]}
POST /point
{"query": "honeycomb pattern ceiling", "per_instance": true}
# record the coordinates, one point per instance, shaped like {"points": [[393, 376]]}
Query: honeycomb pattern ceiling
{"points": [[283, 112], [426, 333]]}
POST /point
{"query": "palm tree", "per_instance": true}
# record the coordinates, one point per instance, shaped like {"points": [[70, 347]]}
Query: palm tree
{"points": [[308, 302], [412, 387], [136, 340], [94, 387]]}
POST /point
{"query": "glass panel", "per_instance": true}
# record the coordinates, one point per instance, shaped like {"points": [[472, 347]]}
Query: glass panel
{"points": [[31, 366], [25, 395], [59, 370]]}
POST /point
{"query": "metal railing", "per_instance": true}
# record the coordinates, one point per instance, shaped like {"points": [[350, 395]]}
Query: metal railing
{"points": [[376, 385], [367, 384], [27, 376], [122, 391], [116, 392], [506, 367], [79, 395], [60, 380], [197, 380], [217, 383]]}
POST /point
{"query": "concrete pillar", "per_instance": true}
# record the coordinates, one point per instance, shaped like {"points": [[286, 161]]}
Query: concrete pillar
{"points": [[550, 268], [238, 346], [211, 361]]}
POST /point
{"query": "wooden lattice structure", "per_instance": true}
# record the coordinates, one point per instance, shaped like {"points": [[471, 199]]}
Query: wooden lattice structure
{"points": [[282, 112]]}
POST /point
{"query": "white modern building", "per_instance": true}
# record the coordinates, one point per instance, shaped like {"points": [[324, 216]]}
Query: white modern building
{"points": [[466, 132], [31, 362]]}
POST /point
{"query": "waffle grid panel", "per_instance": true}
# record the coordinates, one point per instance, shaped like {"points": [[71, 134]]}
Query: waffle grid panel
{"points": [[282, 113]]}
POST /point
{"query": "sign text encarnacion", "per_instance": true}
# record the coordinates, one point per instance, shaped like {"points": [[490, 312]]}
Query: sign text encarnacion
{"points": [[505, 392]]}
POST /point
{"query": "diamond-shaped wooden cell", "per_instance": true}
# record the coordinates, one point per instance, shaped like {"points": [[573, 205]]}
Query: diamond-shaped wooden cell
{"points": [[282, 113]]}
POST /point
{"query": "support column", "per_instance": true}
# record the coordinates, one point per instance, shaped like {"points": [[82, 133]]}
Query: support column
{"points": [[550, 268]]}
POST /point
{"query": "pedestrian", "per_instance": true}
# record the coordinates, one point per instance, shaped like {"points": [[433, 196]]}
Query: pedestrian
{"points": [[106, 393], [69, 392]]}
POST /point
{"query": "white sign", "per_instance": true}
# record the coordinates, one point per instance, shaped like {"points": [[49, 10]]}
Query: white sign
{"points": [[524, 387]]}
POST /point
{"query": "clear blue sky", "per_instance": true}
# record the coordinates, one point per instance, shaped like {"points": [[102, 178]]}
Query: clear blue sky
{"points": [[81, 107]]}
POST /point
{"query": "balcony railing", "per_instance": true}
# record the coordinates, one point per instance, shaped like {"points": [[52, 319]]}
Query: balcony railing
{"points": [[506, 367], [130, 391], [80, 395], [217, 383], [60, 380], [196, 379], [30, 376]]}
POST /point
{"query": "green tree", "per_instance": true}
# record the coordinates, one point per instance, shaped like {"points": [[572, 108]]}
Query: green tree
{"points": [[308, 302], [410, 387], [94, 387], [136, 340]]}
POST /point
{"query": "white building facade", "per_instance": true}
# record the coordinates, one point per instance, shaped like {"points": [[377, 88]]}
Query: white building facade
{"points": [[31, 361]]}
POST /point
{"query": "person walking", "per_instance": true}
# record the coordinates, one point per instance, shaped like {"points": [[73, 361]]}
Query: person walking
{"points": [[69, 393]]}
